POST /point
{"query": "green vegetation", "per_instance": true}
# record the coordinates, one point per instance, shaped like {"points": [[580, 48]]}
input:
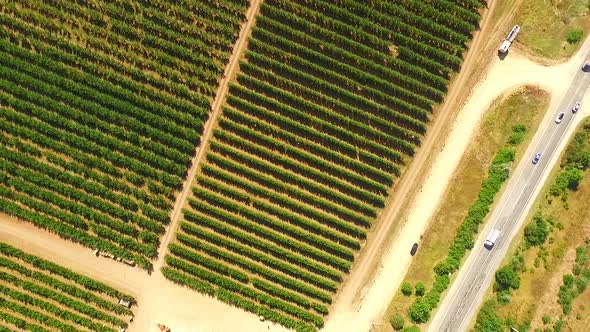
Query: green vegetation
{"points": [[546, 320], [506, 119], [536, 232], [569, 179], [102, 105], [320, 121], [420, 288], [407, 288], [574, 285], [412, 328], [553, 29], [518, 134], [487, 318], [498, 172], [37, 295], [507, 278], [555, 226], [575, 35], [397, 322]]}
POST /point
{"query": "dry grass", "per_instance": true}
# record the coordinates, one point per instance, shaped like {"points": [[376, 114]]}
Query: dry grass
{"points": [[546, 23], [524, 106], [538, 292], [537, 296]]}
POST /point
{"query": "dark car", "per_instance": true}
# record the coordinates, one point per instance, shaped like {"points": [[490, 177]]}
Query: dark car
{"points": [[414, 249]]}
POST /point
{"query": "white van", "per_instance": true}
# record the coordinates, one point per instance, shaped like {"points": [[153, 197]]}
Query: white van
{"points": [[491, 239]]}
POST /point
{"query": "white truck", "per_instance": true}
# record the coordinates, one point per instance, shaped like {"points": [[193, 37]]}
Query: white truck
{"points": [[509, 39], [491, 239]]}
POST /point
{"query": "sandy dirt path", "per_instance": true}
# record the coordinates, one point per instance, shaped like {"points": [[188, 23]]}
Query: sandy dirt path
{"points": [[78, 258], [158, 299], [514, 71], [220, 96]]}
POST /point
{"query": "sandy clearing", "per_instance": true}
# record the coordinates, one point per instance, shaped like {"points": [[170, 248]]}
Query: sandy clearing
{"points": [[186, 311], [25, 236], [503, 76], [158, 299]]}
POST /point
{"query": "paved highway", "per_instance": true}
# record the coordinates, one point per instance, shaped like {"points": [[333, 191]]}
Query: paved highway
{"points": [[462, 301]]}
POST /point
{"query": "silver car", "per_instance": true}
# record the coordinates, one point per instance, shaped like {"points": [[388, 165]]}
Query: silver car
{"points": [[537, 158], [576, 107], [559, 117]]}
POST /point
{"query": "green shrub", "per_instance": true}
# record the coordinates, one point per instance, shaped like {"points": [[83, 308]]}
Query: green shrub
{"points": [[397, 321], [519, 128], [575, 35], [488, 319], [518, 263], [536, 232], [568, 179], [504, 155], [420, 311], [568, 280], [558, 326], [407, 288], [581, 284], [565, 297], [546, 320], [412, 328], [504, 297], [420, 288], [515, 138], [518, 133], [507, 278]]}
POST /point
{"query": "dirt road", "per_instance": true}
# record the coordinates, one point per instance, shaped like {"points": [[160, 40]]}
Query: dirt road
{"points": [[158, 299], [220, 96], [25, 236]]}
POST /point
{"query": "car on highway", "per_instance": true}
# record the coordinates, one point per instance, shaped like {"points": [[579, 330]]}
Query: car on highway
{"points": [[537, 158], [559, 117], [576, 107], [491, 239], [414, 249]]}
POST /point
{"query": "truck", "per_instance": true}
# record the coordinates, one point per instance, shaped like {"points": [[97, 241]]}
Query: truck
{"points": [[509, 39], [491, 239]]}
